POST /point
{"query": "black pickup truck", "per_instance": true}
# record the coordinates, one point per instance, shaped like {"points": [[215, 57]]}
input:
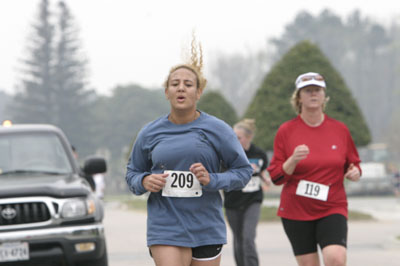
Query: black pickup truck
{"points": [[49, 214]]}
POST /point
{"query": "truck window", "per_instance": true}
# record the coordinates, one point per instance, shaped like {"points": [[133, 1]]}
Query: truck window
{"points": [[39, 152]]}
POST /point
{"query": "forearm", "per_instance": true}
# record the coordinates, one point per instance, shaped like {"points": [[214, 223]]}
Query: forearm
{"points": [[230, 180], [134, 181], [289, 166]]}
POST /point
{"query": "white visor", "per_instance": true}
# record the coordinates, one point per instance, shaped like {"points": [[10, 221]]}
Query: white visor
{"points": [[301, 84]]}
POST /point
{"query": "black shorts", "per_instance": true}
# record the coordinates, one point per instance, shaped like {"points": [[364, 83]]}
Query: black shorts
{"points": [[306, 235], [208, 252]]}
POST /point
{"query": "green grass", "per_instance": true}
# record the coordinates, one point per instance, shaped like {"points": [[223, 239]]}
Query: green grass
{"points": [[268, 213], [132, 202], [136, 204], [120, 197], [359, 216]]}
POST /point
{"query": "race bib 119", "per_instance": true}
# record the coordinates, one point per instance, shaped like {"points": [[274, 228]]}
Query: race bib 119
{"points": [[312, 190], [182, 184]]}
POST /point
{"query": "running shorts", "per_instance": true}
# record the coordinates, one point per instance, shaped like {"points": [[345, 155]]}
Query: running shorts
{"points": [[208, 252], [304, 236]]}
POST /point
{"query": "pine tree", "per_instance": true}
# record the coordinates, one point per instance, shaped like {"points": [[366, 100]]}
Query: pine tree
{"points": [[4, 100], [364, 51], [54, 87], [35, 102], [271, 105], [73, 101], [215, 104]]}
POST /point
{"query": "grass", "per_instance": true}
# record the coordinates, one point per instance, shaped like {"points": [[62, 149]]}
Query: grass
{"points": [[359, 216], [136, 204], [268, 213]]}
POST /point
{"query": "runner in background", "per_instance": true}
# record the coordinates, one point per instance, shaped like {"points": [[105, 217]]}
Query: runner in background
{"points": [[177, 159], [313, 153], [242, 207], [100, 184]]}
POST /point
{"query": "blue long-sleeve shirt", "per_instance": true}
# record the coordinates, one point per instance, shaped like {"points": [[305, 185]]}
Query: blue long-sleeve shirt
{"points": [[162, 145]]}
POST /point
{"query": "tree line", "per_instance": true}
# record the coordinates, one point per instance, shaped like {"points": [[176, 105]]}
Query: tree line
{"points": [[364, 52], [55, 88]]}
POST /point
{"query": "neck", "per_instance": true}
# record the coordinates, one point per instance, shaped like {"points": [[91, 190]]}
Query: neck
{"points": [[247, 147], [183, 117], [313, 119]]}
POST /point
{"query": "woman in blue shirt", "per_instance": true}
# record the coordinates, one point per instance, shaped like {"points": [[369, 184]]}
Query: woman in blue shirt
{"points": [[177, 158]]}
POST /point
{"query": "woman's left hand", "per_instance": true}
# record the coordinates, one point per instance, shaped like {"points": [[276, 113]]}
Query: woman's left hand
{"points": [[201, 173], [353, 173]]}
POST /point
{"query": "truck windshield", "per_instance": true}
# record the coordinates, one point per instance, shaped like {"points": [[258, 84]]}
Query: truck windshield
{"points": [[31, 153]]}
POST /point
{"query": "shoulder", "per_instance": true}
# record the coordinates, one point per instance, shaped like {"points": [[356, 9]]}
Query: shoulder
{"points": [[336, 123], [257, 149], [214, 122], [152, 126], [289, 125]]}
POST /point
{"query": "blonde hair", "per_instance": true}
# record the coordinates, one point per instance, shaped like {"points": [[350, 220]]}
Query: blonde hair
{"points": [[194, 64], [296, 104], [247, 125]]}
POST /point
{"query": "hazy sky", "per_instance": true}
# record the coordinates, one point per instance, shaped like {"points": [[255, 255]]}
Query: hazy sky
{"points": [[137, 41]]}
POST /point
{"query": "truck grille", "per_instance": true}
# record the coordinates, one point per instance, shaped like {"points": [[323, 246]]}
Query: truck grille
{"points": [[23, 213]]}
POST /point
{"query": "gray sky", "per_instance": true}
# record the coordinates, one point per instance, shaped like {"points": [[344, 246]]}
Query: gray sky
{"points": [[137, 41]]}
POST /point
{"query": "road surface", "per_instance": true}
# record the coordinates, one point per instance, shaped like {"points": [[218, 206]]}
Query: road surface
{"points": [[371, 243]]}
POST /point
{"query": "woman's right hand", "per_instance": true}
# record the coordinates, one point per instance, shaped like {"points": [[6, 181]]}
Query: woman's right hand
{"points": [[300, 153], [154, 182]]}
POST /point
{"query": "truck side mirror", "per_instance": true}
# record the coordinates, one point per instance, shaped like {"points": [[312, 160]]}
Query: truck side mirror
{"points": [[94, 165]]}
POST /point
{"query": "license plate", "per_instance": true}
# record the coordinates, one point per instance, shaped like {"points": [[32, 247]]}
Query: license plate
{"points": [[14, 251]]}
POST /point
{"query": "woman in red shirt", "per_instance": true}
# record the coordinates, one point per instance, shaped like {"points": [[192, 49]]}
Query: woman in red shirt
{"points": [[313, 153]]}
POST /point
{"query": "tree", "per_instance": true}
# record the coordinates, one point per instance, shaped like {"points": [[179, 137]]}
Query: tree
{"points": [[363, 51], [4, 99], [237, 76], [54, 87], [35, 102], [118, 119], [392, 131], [214, 103], [271, 105], [393, 138], [120, 116], [73, 100]]}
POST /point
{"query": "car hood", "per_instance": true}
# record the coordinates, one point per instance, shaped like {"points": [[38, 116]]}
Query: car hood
{"points": [[59, 186]]}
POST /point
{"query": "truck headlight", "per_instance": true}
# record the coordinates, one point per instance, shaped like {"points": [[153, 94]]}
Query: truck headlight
{"points": [[77, 208]]}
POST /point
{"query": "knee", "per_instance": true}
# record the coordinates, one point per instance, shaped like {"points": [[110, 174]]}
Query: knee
{"points": [[249, 235], [334, 255], [248, 240], [335, 260]]}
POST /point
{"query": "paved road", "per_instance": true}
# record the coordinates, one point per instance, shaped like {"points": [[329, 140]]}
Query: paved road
{"points": [[370, 243]]}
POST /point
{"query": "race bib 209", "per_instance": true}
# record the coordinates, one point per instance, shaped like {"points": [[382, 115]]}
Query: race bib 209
{"points": [[182, 184]]}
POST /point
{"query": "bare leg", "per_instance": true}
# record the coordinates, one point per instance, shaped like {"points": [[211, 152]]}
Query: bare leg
{"points": [[311, 259], [334, 255], [171, 255]]}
